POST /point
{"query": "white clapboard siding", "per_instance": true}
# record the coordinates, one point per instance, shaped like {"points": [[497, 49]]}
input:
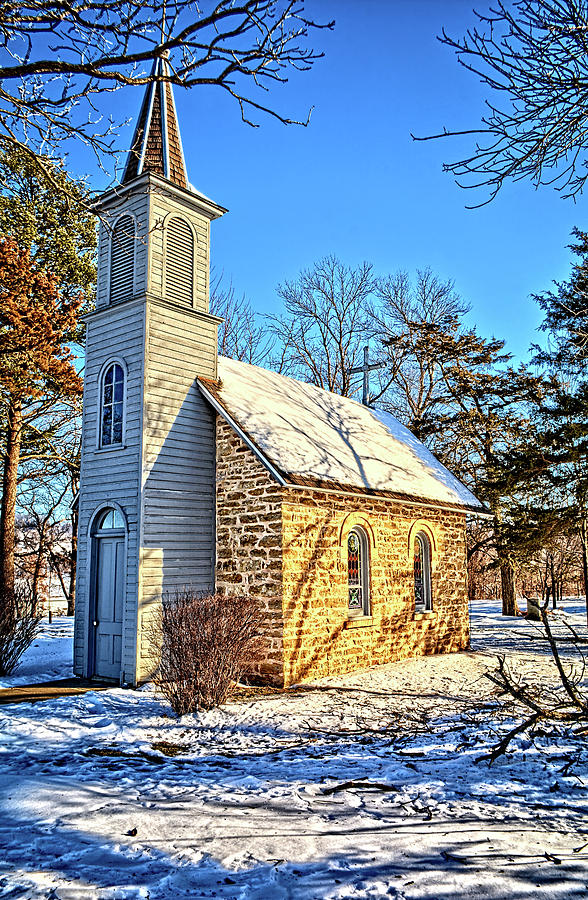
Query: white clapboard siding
{"points": [[122, 260], [178, 494], [114, 475], [179, 262]]}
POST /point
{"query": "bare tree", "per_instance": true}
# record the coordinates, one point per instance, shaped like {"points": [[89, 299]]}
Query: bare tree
{"points": [[411, 379], [48, 480], [240, 335], [37, 539], [59, 56], [47, 542], [483, 569], [533, 56], [321, 335]]}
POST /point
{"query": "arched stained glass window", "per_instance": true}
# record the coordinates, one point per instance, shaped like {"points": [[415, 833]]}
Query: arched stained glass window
{"points": [[112, 412], [358, 572], [422, 573]]}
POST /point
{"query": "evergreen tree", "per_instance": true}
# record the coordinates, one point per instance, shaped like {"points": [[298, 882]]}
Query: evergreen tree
{"points": [[49, 216], [564, 438], [36, 372], [475, 419], [566, 316], [46, 217], [485, 421]]}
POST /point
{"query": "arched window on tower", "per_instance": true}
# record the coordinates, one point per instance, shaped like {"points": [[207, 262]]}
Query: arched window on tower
{"points": [[358, 580], [122, 260], [112, 408], [109, 519], [179, 262], [422, 573]]}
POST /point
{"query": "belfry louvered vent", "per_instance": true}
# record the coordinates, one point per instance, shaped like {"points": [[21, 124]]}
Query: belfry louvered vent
{"points": [[122, 260], [179, 262]]}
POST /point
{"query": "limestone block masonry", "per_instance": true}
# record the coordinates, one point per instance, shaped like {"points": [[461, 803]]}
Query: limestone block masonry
{"points": [[289, 547], [248, 539]]}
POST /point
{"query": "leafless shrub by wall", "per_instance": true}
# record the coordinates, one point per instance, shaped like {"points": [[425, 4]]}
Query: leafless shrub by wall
{"points": [[19, 623], [205, 644]]}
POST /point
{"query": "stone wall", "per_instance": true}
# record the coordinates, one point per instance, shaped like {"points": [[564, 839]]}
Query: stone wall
{"points": [[248, 533], [319, 637], [289, 547]]}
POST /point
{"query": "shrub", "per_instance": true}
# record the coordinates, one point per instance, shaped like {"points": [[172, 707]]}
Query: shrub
{"points": [[205, 643], [19, 624]]}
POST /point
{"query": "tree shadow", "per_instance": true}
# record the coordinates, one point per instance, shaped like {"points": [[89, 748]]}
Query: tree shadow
{"points": [[48, 858], [243, 811]]}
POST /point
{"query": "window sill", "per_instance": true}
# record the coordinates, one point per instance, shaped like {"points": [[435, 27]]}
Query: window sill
{"points": [[425, 614], [359, 622], [110, 449]]}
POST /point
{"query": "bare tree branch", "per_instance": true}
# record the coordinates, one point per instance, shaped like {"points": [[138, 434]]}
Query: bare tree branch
{"points": [[533, 57], [322, 333], [59, 56], [241, 335]]}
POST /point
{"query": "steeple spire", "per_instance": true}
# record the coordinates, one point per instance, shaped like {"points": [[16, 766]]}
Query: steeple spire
{"points": [[157, 145]]}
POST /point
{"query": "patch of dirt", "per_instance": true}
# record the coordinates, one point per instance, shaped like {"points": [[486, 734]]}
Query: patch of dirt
{"points": [[112, 751], [169, 749], [49, 690]]}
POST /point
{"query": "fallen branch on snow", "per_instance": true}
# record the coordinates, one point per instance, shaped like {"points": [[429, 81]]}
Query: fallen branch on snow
{"points": [[361, 785], [545, 703]]}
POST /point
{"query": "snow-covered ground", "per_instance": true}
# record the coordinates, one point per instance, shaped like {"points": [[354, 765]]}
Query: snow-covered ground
{"points": [[48, 658], [106, 795]]}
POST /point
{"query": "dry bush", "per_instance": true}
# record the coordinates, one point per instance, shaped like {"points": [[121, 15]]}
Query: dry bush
{"points": [[205, 643], [19, 623]]}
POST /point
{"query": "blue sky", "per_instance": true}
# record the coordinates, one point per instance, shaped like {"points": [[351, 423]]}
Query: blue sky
{"points": [[355, 184]]}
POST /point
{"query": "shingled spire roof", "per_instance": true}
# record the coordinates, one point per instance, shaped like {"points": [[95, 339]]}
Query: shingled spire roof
{"points": [[157, 146]]}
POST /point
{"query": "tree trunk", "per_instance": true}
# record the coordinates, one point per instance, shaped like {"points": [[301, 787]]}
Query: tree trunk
{"points": [[507, 575], [71, 597], [37, 569], [8, 502], [584, 542], [553, 585], [509, 597]]}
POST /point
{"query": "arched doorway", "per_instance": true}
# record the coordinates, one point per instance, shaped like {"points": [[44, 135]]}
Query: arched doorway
{"points": [[107, 595]]}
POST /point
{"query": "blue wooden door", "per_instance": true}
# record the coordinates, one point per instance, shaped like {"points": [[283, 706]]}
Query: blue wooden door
{"points": [[108, 607]]}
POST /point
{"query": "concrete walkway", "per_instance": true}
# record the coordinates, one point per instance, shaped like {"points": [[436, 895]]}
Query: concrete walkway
{"points": [[48, 690]]}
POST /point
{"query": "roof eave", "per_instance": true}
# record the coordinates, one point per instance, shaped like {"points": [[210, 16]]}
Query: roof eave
{"points": [[395, 496], [225, 414], [117, 193]]}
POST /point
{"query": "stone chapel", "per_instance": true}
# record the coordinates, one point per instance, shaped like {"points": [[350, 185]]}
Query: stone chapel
{"points": [[206, 473]]}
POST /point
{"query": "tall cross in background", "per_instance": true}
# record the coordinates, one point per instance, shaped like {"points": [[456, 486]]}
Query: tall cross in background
{"points": [[366, 369]]}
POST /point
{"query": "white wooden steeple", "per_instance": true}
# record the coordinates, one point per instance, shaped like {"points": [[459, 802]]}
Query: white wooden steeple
{"points": [[153, 331]]}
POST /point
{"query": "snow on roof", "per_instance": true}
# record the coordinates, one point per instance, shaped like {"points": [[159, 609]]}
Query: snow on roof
{"points": [[313, 436], [198, 193]]}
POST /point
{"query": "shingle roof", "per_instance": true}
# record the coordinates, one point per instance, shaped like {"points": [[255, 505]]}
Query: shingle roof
{"points": [[314, 438], [156, 145]]}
